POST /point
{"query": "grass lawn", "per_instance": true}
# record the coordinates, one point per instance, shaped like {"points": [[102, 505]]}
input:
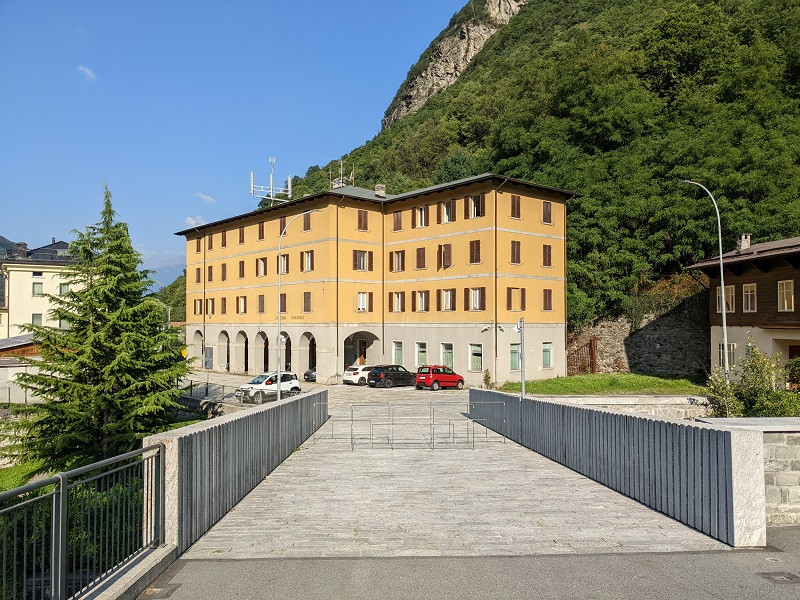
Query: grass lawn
{"points": [[609, 384]]}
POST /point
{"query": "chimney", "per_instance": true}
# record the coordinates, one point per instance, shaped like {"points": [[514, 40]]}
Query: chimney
{"points": [[54, 241], [743, 243], [380, 190], [22, 250]]}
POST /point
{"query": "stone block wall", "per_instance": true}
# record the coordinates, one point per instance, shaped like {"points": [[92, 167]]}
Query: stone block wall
{"points": [[782, 478], [668, 407]]}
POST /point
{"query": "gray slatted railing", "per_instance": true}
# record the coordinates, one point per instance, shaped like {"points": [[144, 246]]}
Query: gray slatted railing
{"points": [[711, 478], [211, 466]]}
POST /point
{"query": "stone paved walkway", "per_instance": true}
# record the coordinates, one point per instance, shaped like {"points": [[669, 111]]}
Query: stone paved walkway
{"points": [[329, 500]]}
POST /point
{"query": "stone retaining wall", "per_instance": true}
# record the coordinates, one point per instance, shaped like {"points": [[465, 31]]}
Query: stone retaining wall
{"points": [[669, 407], [782, 477]]}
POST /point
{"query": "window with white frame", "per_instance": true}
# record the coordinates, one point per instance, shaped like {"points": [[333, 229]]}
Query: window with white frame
{"points": [[198, 307], [749, 300], [422, 353], [786, 295], [731, 354], [398, 298], [547, 355], [475, 207], [476, 357], [361, 260], [448, 212], [209, 306], [362, 302], [241, 305], [398, 261], [448, 299], [397, 352], [261, 266], [514, 361], [284, 264], [730, 304], [423, 301], [63, 324], [422, 216], [63, 289], [38, 288], [36, 318], [308, 260], [447, 354], [477, 298]]}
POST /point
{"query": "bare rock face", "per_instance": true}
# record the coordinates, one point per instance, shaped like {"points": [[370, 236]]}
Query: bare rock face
{"points": [[450, 57]]}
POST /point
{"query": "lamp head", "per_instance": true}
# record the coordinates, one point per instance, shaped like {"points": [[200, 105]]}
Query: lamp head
{"points": [[500, 327], [485, 329]]}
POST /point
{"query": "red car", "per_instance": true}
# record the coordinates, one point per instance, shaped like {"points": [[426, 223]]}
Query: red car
{"points": [[436, 376]]}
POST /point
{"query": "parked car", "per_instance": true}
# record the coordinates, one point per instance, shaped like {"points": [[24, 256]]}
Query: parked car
{"points": [[310, 375], [390, 375], [265, 387], [356, 374], [436, 376]]}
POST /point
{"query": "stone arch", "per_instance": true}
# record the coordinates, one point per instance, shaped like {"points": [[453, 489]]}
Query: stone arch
{"points": [[241, 349], [262, 352], [361, 348], [223, 359], [307, 356], [285, 350], [196, 349]]}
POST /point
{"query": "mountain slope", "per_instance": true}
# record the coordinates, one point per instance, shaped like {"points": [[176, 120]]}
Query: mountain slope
{"points": [[619, 100]]}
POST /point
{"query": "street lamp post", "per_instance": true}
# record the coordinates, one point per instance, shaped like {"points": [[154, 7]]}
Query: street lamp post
{"points": [[723, 295], [280, 270], [520, 328]]}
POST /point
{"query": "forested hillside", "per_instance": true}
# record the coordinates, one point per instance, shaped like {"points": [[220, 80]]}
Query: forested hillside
{"points": [[619, 100]]}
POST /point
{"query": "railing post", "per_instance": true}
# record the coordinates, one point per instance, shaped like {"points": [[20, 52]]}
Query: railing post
{"points": [[58, 560], [158, 497]]}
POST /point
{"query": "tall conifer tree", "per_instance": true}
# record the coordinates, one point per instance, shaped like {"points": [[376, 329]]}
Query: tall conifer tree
{"points": [[108, 378]]}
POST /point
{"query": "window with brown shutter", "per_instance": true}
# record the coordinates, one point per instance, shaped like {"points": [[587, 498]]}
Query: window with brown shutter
{"points": [[482, 205], [510, 298], [369, 260], [241, 269], [413, 218], [522, 299], [402, 302], [307, 222], [198, 245], [223, 305], [307, 302], [475, 252], [438, 300], [483, 298], [224, 274], [355, 260], [398, 220], [241, 235], [452, 305], [281, 226], [391, 262], [547, 255], [211, 241], [261, 303], [283, 303], [390, 301], [370, 304], [547, 212], [467, 293], [516, 258], [466, 207], [210, 273], [515, 207], [447, 256], [362, 220], [426, 215], [547, 299], [438, 213], [197, 275], [224, 238], [420, 258], [261, 230], [413, 301]]}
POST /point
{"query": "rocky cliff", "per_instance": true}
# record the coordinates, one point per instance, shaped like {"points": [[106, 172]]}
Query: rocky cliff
{"points": [[449, 54]]}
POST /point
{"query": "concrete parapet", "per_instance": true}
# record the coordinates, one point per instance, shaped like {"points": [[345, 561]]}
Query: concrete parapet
{"points": [[708, 477]]}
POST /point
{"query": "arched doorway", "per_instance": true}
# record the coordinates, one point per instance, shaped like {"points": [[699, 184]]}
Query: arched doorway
{"points": [[262, 352], [308, 352], [196, 349], [223, 352], [286, 351], [360, 349], [240, 358]]}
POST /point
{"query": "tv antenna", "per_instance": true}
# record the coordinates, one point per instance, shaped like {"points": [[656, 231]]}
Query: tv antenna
{"points": [[268, 192], [343, 179]]}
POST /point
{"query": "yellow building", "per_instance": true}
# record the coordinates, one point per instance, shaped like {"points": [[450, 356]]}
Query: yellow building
{"points": [[434, 276]]}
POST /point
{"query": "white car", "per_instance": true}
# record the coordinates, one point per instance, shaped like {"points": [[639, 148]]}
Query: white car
{"points": [[356, 374], [265, 387]]}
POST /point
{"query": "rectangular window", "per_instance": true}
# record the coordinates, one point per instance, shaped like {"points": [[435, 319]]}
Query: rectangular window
{"points": [[420, 258], [38, 274], [515, 299], [281, 226], [547, 212], [307, 222], [476, 298], [38, 288], [786, 295], [197, 275], [282, 303], [749, 300], [198, 307], [731, 355], [224, 239], [209, 306], [63, 289], [362, 260], [474, 206], [547, 299], [397, 220], [224, 271], [241, 269], [397, 352], [62, 324], [423, 301], [261, 230], [241, 235], [444, 256], [515, 207], [514, 360], [362, 302], [223, 306], [307, 302], [261, 266], [730, 299], [261, 306], [198, 245], [362, 220], [516, 253], [476, 357], [547, 255], [307, 260], [474, 252], [210, 273], [547, 355], [446, 211], [446, 299], [422, 353], [419, 217], [397, 302], [397, 260], [283, 264], [211, 241], [241, 305], [447, 354]]}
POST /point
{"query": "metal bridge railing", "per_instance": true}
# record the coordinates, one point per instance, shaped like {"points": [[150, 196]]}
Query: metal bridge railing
{"points": [[64, 535]]}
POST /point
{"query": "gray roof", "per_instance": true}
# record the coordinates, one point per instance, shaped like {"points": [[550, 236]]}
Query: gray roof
{"points": [[16, 341], [755, 252], [350, 191]]}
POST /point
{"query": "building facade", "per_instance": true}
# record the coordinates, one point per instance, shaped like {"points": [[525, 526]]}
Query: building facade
{"points": [[761, 282], [25, 278], [434, 276]]}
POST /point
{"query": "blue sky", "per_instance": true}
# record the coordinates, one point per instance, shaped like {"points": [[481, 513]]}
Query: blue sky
{"points": [[172, 104]]}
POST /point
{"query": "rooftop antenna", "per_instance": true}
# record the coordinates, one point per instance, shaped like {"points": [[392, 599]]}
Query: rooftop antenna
{"points": [[342, 180], [268, 192]]}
